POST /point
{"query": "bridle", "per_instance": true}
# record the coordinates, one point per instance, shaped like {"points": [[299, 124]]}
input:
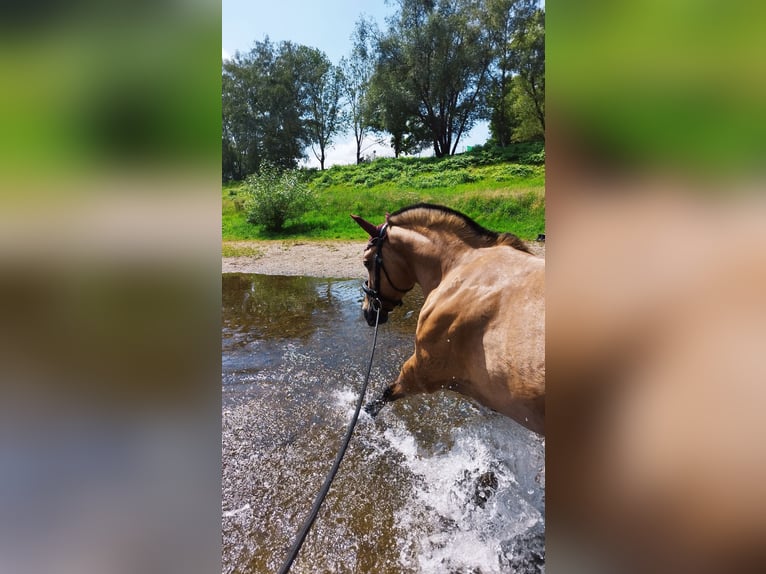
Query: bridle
{"points": [[377, 300]]}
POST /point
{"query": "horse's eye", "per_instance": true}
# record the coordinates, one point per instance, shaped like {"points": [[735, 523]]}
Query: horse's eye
{"points": [[367, 264]]}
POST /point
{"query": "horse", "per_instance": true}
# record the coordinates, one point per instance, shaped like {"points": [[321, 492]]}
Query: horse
{"points": [[481, 330]]}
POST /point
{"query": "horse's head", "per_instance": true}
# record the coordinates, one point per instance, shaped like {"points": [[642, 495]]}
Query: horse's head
{"points": [[388, 281]]}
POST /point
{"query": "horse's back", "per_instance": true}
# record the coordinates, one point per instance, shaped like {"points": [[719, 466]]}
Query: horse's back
{"points": [[490, 309]]}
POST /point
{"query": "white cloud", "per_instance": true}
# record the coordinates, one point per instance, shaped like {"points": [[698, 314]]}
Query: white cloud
{"points": [[225, 54]]}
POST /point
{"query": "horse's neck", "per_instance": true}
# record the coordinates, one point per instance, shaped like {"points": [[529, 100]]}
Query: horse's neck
{"points": [[430, 257]]}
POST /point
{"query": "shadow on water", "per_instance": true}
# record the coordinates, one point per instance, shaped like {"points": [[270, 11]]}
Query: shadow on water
{"points": [[434, 484]]}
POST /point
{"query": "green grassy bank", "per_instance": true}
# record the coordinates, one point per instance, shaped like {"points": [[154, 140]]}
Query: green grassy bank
{"points": [[503, 190]]}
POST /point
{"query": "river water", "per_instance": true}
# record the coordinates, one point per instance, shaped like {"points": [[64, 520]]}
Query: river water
{"points": [[434, 484]]}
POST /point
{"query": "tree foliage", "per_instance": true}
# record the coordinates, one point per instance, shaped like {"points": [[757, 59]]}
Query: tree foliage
{"points": [[517, 95], [357, 75], [529, 57], [325, 116], [501, 18], [432, 67], [262, 108], [393, 111], [438, 68], [277, 100]]}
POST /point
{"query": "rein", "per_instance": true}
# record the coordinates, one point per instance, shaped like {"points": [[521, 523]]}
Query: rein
{"points": [[376, 298], [303, 532]]}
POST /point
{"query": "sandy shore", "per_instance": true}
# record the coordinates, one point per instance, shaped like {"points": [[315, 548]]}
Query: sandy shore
{"points": [[337, 259]]}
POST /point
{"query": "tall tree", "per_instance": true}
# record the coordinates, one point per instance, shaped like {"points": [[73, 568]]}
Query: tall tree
{"points": [[437, 53], [286, 136], [500, 18], [516, 99], [324, 113], [242, 104], [261, 109], [394, 110], [528, 47], [357, 75], [276, 101]]}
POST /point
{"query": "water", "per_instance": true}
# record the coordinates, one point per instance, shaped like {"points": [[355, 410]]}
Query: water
{"points": [[436, 483]]}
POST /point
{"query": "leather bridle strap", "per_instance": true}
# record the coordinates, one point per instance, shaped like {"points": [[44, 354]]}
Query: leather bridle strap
{"points": [[374, 292]]}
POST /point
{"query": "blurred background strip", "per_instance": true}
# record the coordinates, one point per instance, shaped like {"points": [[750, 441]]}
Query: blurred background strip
{"points": [[109, 287], [656, 274]]}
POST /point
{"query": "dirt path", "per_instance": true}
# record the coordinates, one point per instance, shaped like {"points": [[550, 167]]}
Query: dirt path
{"points": [[337, 259]]}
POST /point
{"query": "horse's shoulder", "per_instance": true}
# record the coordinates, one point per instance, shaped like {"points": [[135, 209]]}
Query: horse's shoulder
{"points": [[458, 300], [480, 280]]}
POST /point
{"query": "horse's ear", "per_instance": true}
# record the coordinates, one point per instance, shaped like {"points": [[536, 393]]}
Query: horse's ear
{"points": [[371, 229]]}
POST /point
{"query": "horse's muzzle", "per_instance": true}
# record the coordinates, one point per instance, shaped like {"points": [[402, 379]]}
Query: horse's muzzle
{"points": [[370, 316]]}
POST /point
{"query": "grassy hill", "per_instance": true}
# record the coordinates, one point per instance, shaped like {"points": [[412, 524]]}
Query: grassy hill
{"points": [[502, 189]]}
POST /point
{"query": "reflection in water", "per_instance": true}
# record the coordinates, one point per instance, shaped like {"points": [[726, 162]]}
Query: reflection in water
{"points": [[272, 307], [434, 484]]}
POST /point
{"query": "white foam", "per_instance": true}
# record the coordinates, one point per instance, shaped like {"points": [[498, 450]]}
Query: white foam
{"points": [[444, 527], [230, 513], [345, 399]]}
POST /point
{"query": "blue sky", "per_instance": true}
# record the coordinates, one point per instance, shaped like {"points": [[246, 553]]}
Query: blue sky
{"points": [[327, 25]]}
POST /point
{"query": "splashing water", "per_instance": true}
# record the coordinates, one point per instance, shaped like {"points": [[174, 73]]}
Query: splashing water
{"points": [[469, 500], [435, 484]]}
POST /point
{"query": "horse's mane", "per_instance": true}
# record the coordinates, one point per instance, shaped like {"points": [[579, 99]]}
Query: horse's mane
{"points": [[430, 216]]}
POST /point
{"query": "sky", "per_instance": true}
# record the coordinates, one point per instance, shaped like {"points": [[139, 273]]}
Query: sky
{"points": [[326, 25]]}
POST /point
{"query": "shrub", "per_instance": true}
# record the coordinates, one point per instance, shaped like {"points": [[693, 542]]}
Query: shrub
{"points": [[273, 197], [514, 170], [533, 158]]}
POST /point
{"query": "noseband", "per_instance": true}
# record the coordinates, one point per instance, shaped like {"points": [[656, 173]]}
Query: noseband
{"points": [[373, 292]]}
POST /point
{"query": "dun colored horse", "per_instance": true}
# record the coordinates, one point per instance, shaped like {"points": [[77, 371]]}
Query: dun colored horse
{"points": [[481, 331]]}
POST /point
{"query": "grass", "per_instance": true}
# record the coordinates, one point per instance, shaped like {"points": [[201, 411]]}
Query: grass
{"points": [[503, 190], [232, 249]]}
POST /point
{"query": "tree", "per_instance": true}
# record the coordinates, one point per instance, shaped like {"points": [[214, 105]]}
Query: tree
{"points": [[357, 76], [230, 167], [274, 106], [261, 109], [394, 110], [323, 88], [500, 18], [286, 135], [529, 126], [529, 61], [433, 61], [241, 107], [517, 96]]}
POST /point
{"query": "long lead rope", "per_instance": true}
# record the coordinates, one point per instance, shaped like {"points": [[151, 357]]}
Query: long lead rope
{"points": [[303, 532]]}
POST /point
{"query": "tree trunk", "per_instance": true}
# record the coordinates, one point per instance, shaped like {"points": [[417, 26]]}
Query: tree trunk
{"points": [[358, 150]]}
